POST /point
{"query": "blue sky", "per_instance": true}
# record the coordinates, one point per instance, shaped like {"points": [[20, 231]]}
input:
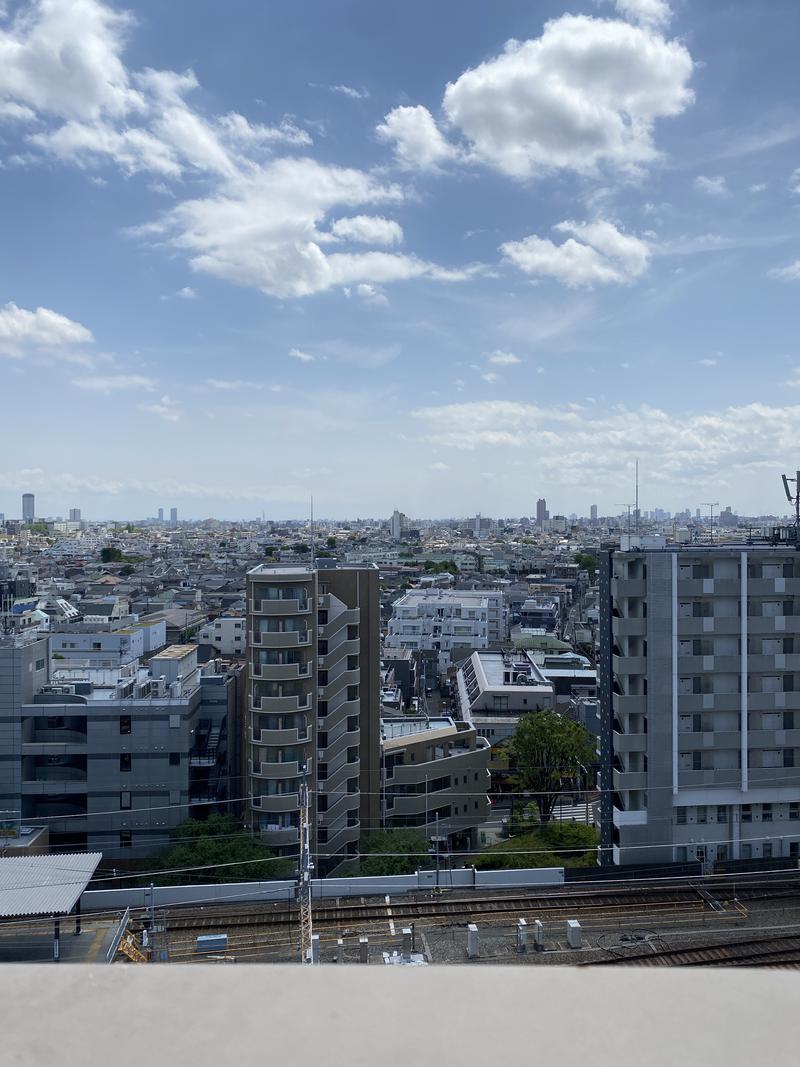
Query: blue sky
{"points": [[446, 257]]}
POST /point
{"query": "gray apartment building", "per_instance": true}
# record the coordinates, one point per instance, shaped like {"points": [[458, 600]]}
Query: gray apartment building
{"points": [[111, 758], [314, 706], [436, 778], [699, 680]]}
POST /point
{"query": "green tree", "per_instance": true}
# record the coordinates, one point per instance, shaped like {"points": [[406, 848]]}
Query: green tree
{"points": [[111, 554], [549, 751], [331, 542], [587, 562], [223, 849], [393, 852]]}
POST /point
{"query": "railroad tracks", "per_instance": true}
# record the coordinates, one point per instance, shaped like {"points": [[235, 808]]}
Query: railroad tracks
{"points": [[761, 952]]}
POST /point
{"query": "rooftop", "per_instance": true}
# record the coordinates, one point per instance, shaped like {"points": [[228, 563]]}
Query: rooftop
{"points": [[44, 885], [395, 728], [176, 652]]}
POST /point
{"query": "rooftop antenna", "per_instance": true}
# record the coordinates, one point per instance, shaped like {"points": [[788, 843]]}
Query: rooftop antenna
{"points": [[636, 512], [705, 504], [313, 548], [793, 497]]}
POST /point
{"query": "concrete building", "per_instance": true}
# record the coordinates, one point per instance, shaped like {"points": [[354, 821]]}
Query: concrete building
{"points": [[226, 635], [542, 514], [160, 514], [435, 777], [314, 702], [496, 688], [28, 507], [74, 514], [173, 517], [441, 620], [593, 513], [699, 677], [112, 758], [397, 524]]}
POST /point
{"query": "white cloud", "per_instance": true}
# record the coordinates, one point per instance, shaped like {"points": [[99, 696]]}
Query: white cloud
{"points": [[759, 187], [348, 90], [298, 353], [491, 377], [372, 294], [601, 255], [789, 273], [585, 94], [415, 138], [368, 229], [167, 409], [711, 186], [231, 385], [439, 467], [647, 12], [187, 293], [580, 446], [710, 361], [114, 383], [504, 359], [794, 181], [22, 331]]}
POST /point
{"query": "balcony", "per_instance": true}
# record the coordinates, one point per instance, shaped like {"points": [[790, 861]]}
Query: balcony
{"points": [[280, 672], [630, 742], [55, 737], [280, 607], [277, 705], [630, 705], [628, 587], [284, 639], [629, 627], [289, 769], [629, 664], [280, 738], [630, 779], [277, 802], [279, 836]]}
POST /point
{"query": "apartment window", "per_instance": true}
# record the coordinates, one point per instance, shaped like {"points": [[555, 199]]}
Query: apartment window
{"points": [[766, 850], [794, 810], [322, 678], [771, 758], [124, 724], [788, 720], [766, 813], [322, 647], [174, 722], [352, 663], [322, 771], [322, 739], [794, 849], [788, 683], [40, 664], [125, 800], [322, 802], [126, 839], [697, 761], [352, 692], [322, 617], [702, 814], [352, 754], [722, 813], [352, 723], [322, 708], [788, 757], [174, 759], [747, 852], [702, 609], [96, 646], [124, 761], [352, 632], [747, 813], [680, 816]]}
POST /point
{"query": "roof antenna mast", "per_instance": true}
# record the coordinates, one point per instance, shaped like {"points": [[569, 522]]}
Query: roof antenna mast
{"points": [[793, 497]]}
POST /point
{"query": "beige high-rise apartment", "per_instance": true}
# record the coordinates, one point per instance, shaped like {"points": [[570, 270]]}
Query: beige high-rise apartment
{"points": [[313, 707]]}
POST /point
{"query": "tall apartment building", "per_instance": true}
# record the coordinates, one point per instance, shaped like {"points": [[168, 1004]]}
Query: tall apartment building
{"points": [[28, 507], [699, 678], [74, 514], [173, 517], [443, 619], [397, 523], [314, 703], [542, 514]]}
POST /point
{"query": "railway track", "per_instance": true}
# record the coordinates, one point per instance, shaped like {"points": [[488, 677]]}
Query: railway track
{"points": [[458, 909], [761, 952]]}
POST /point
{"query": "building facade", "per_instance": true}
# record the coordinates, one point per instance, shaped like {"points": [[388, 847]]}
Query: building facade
{"points": [[314, 706], [28, 507], [699, 678], [441, 620], [496, 688]]}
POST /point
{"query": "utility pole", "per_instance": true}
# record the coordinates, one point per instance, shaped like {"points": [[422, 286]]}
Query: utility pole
{"points": [[304, 876], [711, 506]]}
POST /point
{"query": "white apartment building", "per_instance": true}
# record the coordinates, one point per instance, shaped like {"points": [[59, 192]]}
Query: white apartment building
{"points": [[226, 635], [443, 619], [496, 688]]}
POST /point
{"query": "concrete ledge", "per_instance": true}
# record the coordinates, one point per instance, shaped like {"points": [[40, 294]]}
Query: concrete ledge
{"points": [[361, 1016]]}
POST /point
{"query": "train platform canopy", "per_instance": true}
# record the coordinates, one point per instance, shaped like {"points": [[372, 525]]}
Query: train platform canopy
{"points": [[44, 885]]}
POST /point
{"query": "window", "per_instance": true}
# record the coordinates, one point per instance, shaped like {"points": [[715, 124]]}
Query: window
{"points": [[697, 761], [788, 683], [96, 646], [322, 802], [722, 813], [322, 647], [747, 852], [125, 800], [322, 678], [766, 813], [126, 839], [352, 692], [352, 632], [40, 665], [794, 810], [124, 761], [788, 757], [702, 814], [322, 739], [174, 759], [680, 816], [747, 813], [788, 720], [322, 771], [124, 724], [322, 616], [352, 663], [322, 708], [174, 722], [766, 850]]}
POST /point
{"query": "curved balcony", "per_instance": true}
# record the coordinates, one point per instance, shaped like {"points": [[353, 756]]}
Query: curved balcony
{"points": [[337, 745], [280, 672], [277, 705], [281, 639], [278, 802], [290, 769], [280, 607], [281, 737], [346, 648]]}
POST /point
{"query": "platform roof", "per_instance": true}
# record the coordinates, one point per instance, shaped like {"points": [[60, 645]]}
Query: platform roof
{"points": [[44, 885]]}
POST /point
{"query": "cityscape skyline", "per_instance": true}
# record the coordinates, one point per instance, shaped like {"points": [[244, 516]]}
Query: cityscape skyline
{"points": [[282, 231]]}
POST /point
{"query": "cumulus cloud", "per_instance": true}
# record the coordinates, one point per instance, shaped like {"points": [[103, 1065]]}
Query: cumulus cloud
{"points": [[166, 409], [368, 229], [23, 331], [647, 12], [299, 354], [789, 273], [711, 186], [504, 359], [596, 253], [585, 94], [415, 138], [372, 294], [187, 293], [113, 383]]}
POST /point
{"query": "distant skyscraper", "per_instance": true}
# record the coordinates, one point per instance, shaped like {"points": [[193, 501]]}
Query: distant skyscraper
{"points": [[173, 516], [542, 514], [28, 508], [74, 514], [593, 512], [396, 525], [160, 514]]}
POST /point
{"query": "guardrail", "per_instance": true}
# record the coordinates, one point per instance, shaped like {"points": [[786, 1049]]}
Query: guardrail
{"points": [[118, 936]]}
